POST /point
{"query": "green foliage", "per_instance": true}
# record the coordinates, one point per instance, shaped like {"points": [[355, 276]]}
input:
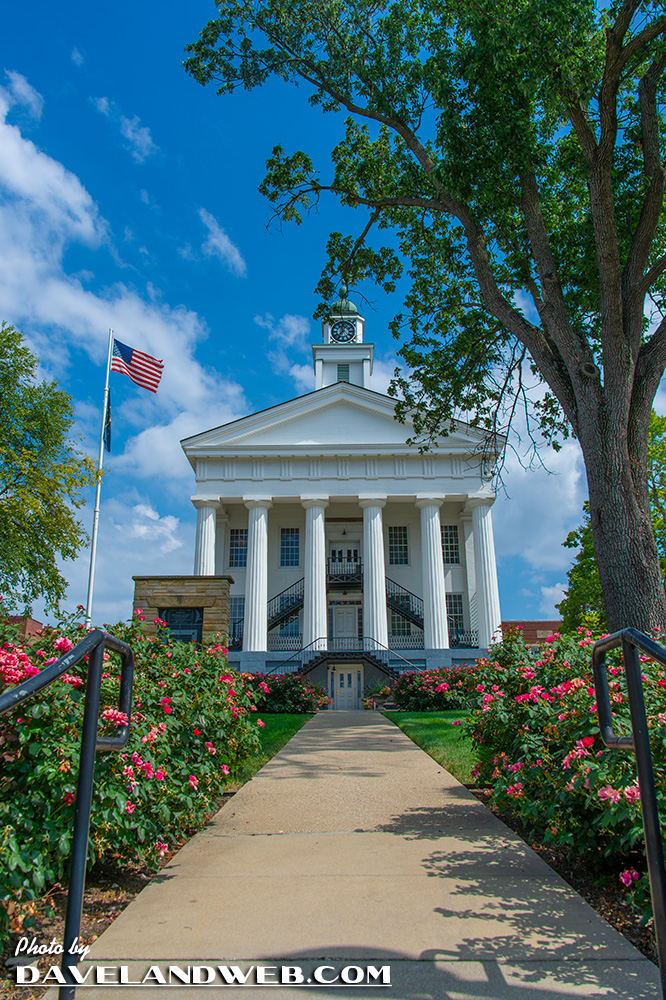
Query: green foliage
{"points": [[293, 692], [192, 724], [536, 731], [41, 476], [467, 137], [583, 596], [435, 690]]}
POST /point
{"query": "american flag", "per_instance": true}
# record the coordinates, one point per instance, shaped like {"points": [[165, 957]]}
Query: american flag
{"points": [[141, 368]]}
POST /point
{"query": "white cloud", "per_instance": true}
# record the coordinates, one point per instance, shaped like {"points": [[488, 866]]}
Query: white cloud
{"points": [[382, 373], [289, 331], [550, 596], [148, 526], [542, 507], [49, 197], [139, 141], [134, 538], [138, 136], [23, 93], [76, 57], [219, 245], [43, 209]]}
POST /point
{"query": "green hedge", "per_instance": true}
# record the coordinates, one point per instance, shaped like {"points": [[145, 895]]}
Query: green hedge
{"points": [[286, 693], [536, 729], [193, 720]]}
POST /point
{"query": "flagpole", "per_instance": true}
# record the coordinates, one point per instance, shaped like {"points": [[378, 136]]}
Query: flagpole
{"points": [[98, 491]]}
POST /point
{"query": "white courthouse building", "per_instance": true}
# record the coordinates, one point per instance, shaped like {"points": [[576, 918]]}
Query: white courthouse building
{"points": [[353, 556]]}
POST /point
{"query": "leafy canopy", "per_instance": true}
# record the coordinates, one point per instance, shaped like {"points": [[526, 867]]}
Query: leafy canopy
{"points": [[513, 148], [41, 476]]}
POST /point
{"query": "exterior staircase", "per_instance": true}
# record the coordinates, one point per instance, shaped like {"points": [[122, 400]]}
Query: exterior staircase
{"points": [[405, 603]]}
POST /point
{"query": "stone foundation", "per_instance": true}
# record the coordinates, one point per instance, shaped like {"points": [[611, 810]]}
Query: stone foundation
{"points": [[153, 593]]}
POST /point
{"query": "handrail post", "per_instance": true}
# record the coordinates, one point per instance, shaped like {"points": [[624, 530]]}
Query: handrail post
{"points": [[84, 789], [649, 809]]}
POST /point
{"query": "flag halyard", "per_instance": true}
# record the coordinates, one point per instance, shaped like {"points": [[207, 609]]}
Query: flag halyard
{"points": [[143, 369]]}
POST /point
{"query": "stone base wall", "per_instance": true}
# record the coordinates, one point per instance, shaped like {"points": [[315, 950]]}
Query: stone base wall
{"points": [[153, 593]]}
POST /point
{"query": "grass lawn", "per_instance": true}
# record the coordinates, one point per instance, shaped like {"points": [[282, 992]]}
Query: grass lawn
{"points": [[279, 727], [435, 733]]}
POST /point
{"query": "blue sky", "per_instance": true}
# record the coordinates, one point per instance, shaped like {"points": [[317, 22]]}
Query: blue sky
{"points": [[128, 197]]}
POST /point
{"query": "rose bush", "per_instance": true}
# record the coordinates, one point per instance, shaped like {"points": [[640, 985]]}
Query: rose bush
{"points": [[292, 692], [193, 720], [435, 690], [536, 728]]}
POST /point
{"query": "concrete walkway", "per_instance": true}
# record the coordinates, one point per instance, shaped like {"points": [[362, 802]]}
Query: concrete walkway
{"points": [[352, 846]]}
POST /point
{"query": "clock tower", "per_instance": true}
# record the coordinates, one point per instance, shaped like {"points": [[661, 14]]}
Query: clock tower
{"points": [[343, 356]]}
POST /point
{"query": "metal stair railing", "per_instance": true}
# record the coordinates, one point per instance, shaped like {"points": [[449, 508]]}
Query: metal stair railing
{"points": [[236, 635], [285, 604], [631, 641], [93, 647], [296, 663], [404, 602]]}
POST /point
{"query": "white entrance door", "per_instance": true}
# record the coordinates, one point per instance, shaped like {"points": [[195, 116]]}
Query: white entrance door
{"points": [[346, 687], [345, 620]]}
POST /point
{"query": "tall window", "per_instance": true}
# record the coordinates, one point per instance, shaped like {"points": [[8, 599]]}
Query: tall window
{"points": [[400, 625], [398, 551], [343, 373], [454, 613], [450, 543], [238, 547], [290, 547]]}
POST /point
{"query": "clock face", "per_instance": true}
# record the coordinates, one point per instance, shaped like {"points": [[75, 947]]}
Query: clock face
{"points": [[343, 332]]}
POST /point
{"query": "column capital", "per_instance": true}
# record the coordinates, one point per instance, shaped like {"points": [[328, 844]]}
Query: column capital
{"points": [[364, 502], [422, 502], [473, 502], [308, 502], [203, 502], [254, 503]]}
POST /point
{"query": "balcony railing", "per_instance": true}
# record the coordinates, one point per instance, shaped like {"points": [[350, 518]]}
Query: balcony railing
{"points": [[463, 640], [344, 573], [277, 642], [412, 641]]}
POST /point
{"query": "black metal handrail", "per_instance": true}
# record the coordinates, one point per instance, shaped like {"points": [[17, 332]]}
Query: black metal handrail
{"points": [[285, 604], [92, 646], [236, 634], [631, 641], [404, 602]]}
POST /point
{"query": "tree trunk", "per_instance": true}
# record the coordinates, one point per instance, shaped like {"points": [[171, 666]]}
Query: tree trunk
{"points": [[624, 543]]}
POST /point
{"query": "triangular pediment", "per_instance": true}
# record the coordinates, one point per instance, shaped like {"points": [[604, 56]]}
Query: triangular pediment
{"points": [[340, 417]]}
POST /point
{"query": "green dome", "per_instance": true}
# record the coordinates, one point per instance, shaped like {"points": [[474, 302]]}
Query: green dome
{"points": [[343, 307]]}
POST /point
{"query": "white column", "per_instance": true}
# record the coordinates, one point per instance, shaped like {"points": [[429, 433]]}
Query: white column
{"points": [[435, 624], [256, 580], [315, 623], [375, 625], [204, 544], [487, 591], [468, 534]]}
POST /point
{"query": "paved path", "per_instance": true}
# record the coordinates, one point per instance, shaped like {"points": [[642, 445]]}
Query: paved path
{"points": [[352, 846]]}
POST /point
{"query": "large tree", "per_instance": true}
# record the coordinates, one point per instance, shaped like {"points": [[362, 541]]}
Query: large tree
{"points": [[515, 148], [41, 475], [583, 598]]}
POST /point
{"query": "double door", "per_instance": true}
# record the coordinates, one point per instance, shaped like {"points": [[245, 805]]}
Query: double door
{"points": [[346, 686]]}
